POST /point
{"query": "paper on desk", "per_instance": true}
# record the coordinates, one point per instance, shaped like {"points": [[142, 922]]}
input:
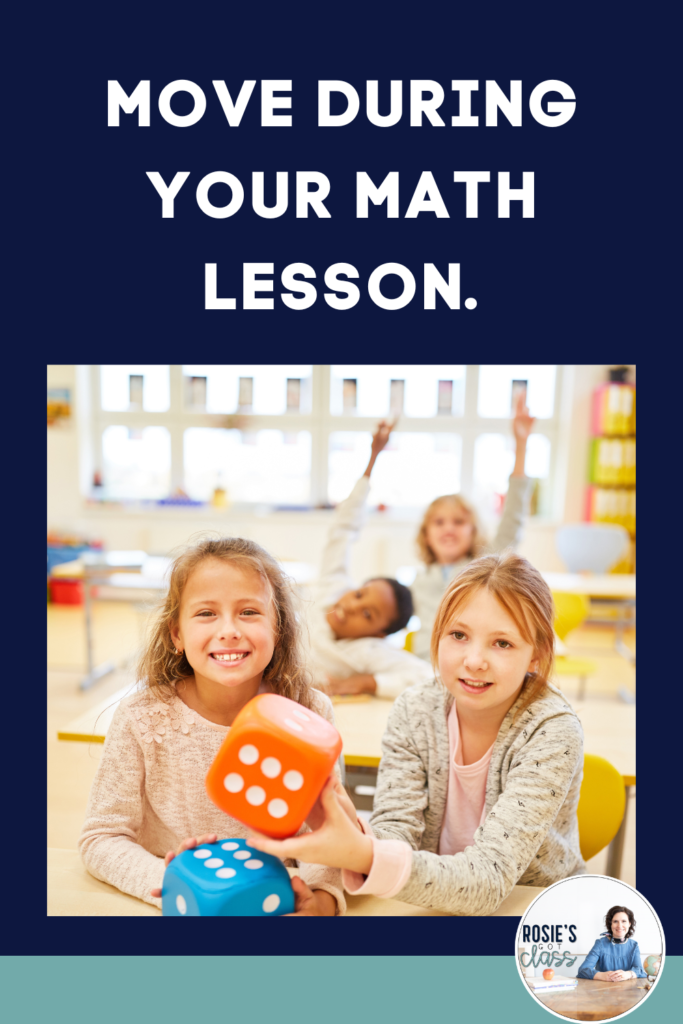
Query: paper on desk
{"points": [[543, 984]]}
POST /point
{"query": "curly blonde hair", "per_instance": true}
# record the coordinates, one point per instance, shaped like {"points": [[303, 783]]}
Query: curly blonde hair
{"points": [[524, 595], [159, 668], [457, 501]]}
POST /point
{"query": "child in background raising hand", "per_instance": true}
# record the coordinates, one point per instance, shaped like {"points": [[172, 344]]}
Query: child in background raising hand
{"points": [[348, 624], [450, 535]]}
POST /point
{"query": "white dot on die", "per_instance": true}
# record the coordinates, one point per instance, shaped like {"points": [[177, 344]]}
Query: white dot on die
{"points": [[271, 903], [293, 780], [271, 767], [226, 873], [248, 754], [182, 905], [202, 853], [470, 303], [300, 714], [233, 782], [255, 795], [294, 725], [230, 846], [277, 808], [242, 855], [215, 862], [253, 864]]}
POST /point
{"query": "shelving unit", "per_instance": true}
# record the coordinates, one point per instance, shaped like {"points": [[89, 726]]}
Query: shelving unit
{"points": [[611, 496]]}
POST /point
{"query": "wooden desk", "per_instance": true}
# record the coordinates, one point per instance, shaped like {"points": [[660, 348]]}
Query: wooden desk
{"points": [[595, 1000], [362, 724], [72, 892], [117, 569], [92, 726]]}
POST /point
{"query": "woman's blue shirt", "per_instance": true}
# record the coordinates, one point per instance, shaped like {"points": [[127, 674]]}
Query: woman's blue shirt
{"points": [[612, 956]]}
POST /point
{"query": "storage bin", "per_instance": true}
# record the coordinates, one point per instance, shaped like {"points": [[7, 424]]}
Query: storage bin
{"points": [[66, 591]]}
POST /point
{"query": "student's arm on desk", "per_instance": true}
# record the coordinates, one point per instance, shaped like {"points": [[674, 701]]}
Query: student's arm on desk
{"points": [[108, 841], [380, 668]]}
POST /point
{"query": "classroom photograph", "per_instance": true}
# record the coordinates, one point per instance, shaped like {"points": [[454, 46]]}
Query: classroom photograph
{"points": [[590, 948], [338, 640]]}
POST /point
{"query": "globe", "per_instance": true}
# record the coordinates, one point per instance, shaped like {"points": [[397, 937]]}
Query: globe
{"points": [[651, 965]]}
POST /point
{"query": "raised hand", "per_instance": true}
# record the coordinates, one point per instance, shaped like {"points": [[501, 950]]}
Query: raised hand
{"points": [[379, 441], [381, 435], [522, 422]]}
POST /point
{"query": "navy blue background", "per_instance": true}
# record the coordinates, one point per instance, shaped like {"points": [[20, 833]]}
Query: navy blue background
{"points": [[572, 276], [585, 281]]}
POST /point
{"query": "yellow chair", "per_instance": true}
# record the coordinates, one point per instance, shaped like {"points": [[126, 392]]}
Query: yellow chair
{"points": [[408, 642], [602, 803], [570, 611]]}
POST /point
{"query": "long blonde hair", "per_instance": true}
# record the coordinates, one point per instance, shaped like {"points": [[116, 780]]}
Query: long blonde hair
{"points": [[479, 541], [159, 668], [524, 595]]}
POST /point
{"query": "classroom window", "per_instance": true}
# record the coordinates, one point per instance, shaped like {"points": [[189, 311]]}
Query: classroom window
{"points": [[137, 462], [494, 459], [135, 388], [300, 434], [412, 391], [497, 385], [413, 469], [260, 390], [265, 466]]}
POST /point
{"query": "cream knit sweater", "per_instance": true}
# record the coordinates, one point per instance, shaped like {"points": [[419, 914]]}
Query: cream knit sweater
{"points": [[148, 795]]}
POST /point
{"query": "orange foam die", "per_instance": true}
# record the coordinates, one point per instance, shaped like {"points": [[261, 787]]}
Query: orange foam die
{"points": [[272, 765]]}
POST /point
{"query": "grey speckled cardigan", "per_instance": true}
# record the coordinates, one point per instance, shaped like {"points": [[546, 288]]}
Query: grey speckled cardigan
{"points": [[530, 835]]}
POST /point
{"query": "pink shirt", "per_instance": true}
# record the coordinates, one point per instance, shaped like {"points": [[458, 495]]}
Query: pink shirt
{"points": [[465, 812]]}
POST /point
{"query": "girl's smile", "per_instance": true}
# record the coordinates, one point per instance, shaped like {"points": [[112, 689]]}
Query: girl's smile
{"points": [[483, 658], [474, 685], [229, 657], [225, 627]]}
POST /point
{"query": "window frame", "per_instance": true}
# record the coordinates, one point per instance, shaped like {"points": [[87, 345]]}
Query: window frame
{"points": [[321, 423]]}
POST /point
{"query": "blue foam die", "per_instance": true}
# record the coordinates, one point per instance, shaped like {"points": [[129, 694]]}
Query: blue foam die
{"points": [[226, 879]]}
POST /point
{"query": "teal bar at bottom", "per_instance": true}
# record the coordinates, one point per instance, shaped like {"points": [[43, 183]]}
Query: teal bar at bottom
{"points": [[283, 989]]}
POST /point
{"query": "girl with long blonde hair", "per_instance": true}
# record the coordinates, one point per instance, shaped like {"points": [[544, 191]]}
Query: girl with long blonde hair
{"points": [[226, 631]]}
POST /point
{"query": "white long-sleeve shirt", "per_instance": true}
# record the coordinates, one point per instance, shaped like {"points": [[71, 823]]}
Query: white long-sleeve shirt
{"points": [[393, 669]]}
